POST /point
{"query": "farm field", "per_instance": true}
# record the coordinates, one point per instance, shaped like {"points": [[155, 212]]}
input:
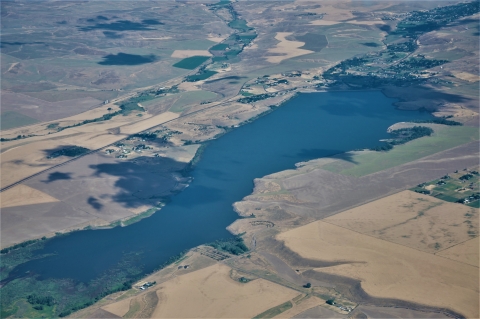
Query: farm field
{"points": [[210, 293], [368, 162], [109, 111], [11, 119], [461, 186], [413, 220], [191, 63], [386, 269]]}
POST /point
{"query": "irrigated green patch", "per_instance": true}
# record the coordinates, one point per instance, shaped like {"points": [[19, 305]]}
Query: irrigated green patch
{"points": [[202, 76], [239, 24], [458, 187], [371, 162], [12, 119], [275, 311], [189, 98], [219, 47], [191, 62], [313, 42]]}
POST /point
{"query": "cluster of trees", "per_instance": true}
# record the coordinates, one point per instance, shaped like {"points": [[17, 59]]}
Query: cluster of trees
{"points": [[443, 121], [408, 46], [419, 22], [402, 136], [254, 98], [21, 245], [417, 63], [40, 300], [234, 246], [69, 151], [19, 137]]}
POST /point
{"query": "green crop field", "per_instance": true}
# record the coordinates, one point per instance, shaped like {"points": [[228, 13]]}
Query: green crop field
{"points": [[239, 24], [191, 62], [199, 77], [371, 162], [219, 47], [453, 187], [192, 97], [12, 119]]}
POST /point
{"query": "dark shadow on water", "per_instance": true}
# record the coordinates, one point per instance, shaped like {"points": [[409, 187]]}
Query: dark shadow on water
{"points": [[315, 153], [17, 43], [112, 35], [371, 44], [152, 22], [233, 77], [55, 176], [147, 178], [98, 18], [122, 25], [127, 59]]}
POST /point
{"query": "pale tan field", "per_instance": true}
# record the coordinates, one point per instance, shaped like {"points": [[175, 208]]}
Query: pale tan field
{"points": [[119, 308], [189, 53], [367, 22], [467, 76], [150, 122], [466, 252], [210, 293], [414, 220], [286, 49], [324, 22], [23, 158], [215, 38], [389, 270], [301, 307], [24, 195]]}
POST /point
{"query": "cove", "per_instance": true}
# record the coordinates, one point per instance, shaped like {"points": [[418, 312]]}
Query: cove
{"points": [[306, 127]]}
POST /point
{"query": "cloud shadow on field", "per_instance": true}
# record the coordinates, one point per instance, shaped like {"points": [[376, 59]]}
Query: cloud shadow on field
{"points": [[55, 176], [122, 25], [92, 201], [127, 59]]}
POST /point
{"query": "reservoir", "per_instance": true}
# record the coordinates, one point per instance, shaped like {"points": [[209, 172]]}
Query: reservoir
{"points": [[308, 126]]}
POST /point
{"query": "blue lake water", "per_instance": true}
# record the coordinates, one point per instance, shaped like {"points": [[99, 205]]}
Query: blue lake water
{"points": [[306, 127]]}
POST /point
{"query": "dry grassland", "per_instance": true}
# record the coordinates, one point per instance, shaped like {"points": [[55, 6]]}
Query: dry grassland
{"points": [[24, 195], [304, 305], [23, 158], [286, 49], [150, 122], [189, 53], [410, 219], [467, 76], [215, 38], [208, 293], [389, 270], [466, 252], [368, 22], [324, 22]]}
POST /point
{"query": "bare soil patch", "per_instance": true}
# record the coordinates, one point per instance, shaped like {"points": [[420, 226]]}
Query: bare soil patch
{"points": [[414, 220], [44, 110], [285, 49], [389, 270], [189, 53], [466, 252], [24, 195], [209, 293]]}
